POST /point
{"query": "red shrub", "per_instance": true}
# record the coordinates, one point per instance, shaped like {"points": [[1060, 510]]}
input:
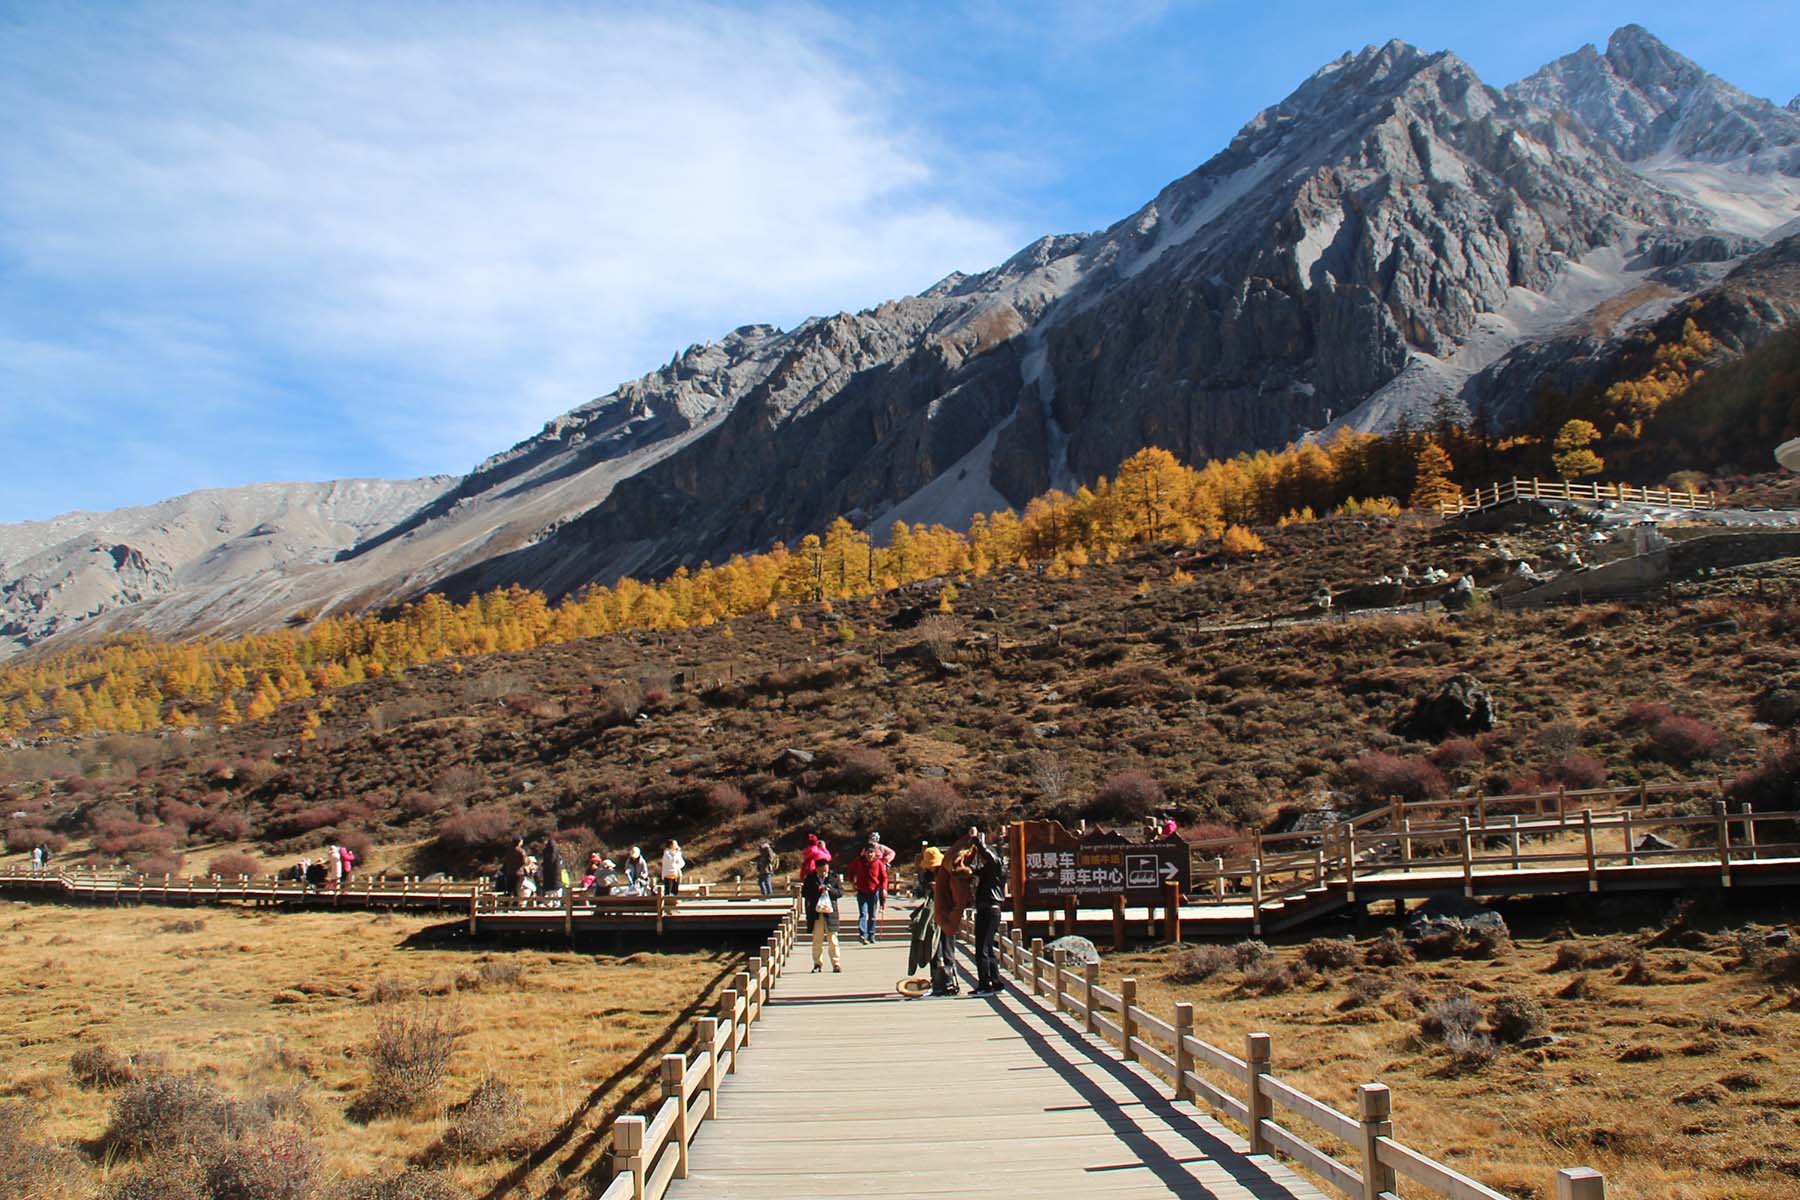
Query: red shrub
{"points": [[358, 843], [156, 864], [928, 808], [421, 804], [228, 826], [1379, 776], [474, 829], [1453, 754], [21, 838], [230, 866], [723, 801], [1642, 714], [1682, 740], [1127, 796], [1576, 771], [859, 768]]}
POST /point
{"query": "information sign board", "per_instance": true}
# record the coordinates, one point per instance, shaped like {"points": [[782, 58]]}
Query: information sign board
{"points": [[1052, 865]]}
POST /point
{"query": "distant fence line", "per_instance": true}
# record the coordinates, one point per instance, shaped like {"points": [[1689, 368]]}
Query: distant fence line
{"points": [[1556, 489]]}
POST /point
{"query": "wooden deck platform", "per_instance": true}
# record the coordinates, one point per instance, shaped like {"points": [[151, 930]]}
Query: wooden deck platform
{"points": [[847, 1089]]}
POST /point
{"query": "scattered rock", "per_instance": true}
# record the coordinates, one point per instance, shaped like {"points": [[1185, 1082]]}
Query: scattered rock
{"points": [[1080, 950], [1461, 706]]}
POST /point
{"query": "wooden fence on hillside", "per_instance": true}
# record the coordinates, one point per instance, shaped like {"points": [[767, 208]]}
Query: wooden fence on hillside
{"points": [[1358, 1156], [1556, 489]]}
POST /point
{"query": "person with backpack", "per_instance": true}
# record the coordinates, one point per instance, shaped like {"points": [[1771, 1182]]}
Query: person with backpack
{"points": [[931, 947], [819, 896], [766, 866], [990, 898], [869, 872]]}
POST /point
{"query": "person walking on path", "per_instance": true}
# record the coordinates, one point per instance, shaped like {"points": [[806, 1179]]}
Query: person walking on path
{"points": [[766, 864], [37, 860], [990, 899], [930, 947], [869, 872], [673, 864], [809, 857], [887, 856], [334, 865], [819, 895]]}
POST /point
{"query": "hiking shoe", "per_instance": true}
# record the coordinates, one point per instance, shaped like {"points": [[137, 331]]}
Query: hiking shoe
{"points": [[837, 968], [817, 968]]}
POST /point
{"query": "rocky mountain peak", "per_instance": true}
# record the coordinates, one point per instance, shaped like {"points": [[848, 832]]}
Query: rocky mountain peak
{"points": [[1642, 100]]}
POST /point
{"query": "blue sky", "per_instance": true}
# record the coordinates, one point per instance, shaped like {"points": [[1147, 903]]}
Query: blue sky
{"points": [[255, 241]]}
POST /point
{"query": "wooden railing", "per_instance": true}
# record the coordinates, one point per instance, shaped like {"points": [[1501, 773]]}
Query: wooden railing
{"points": [[1360, 1158], [650, 1152], [1284, 868], [1519, 489]]}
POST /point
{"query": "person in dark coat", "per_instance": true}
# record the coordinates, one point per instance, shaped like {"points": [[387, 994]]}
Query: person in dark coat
{"points": [[766, 863], [550, 870], [512, 864], [990, 900], [820, 895]]}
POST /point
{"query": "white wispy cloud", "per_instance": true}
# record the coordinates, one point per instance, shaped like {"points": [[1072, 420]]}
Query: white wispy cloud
{"points": [[437, 225]]}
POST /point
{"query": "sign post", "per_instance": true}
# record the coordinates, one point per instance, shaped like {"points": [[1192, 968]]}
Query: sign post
{"points": [[1053, 868]]}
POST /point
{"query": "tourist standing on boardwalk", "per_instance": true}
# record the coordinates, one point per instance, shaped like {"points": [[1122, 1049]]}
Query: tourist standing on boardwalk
{"points": [[990, 899], [673, 863], [37, 859], [869, 872], [551, 879], [929, 945], [512, 865], [952, 891], [819, 896], [766, 863], [809, 857], [334, 865], [887, 856]]}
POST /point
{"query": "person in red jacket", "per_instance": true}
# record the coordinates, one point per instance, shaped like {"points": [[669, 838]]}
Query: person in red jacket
{"points": [[813, 855], [869, 872]]}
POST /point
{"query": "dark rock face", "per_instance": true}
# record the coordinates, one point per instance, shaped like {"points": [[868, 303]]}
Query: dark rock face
{"points": [[1461, 706]]}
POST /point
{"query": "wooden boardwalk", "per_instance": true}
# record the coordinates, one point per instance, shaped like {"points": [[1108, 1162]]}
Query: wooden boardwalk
{"points": [[846, 1089]]}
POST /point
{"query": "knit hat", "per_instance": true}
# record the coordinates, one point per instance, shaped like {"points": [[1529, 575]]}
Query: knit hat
{"points": [[931, 859]]}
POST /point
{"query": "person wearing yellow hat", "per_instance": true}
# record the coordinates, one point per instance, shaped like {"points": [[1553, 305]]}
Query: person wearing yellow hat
{"points": [[930, 948]]}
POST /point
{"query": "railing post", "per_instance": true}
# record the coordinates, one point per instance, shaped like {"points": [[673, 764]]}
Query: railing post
{"points": [[674, 1071], [1630, 848], [1018, 953], [474, 910], [1062, 963], [728, 1016], [1037, 966], [742, 984], [1587, 837], [1118, 923], [1350, 862], [1184, 1061], [1468, 859], [1127, 1023], [1172, 926], [628, 1152], [1724, 843], [1090, 980], [706, 1038], [1376, 1107], [1219, 876], [1256, 1057], [1256, 893], [1512, 838], [1406, 844], [1749, 819], [1580, 1183]]}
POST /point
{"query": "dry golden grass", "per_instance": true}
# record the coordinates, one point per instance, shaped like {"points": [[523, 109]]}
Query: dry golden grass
{"points": [[265, 1001], [1681, 1088]]}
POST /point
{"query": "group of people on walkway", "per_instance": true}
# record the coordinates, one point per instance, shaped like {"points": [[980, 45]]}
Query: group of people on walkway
{"points": [[547, 875], [40, 858], [971, 873], [332, 869]]}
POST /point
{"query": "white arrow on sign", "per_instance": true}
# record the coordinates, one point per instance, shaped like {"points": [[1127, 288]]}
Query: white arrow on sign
{"points": [[1170, 872]]}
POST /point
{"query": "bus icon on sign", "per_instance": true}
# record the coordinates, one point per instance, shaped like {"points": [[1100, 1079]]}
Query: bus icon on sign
{"points": [[1140, 870]]}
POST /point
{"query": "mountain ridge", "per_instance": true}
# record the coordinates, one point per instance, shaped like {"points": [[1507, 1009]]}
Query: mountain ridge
{"points": [[1393, 231]]}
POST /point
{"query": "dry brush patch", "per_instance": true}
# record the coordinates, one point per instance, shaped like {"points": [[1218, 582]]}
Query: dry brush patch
{"points": [[1668, 1067], [312, 1045]]}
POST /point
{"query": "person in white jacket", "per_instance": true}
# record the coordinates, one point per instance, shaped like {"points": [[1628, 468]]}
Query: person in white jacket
{"points": [[672, 866]]}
